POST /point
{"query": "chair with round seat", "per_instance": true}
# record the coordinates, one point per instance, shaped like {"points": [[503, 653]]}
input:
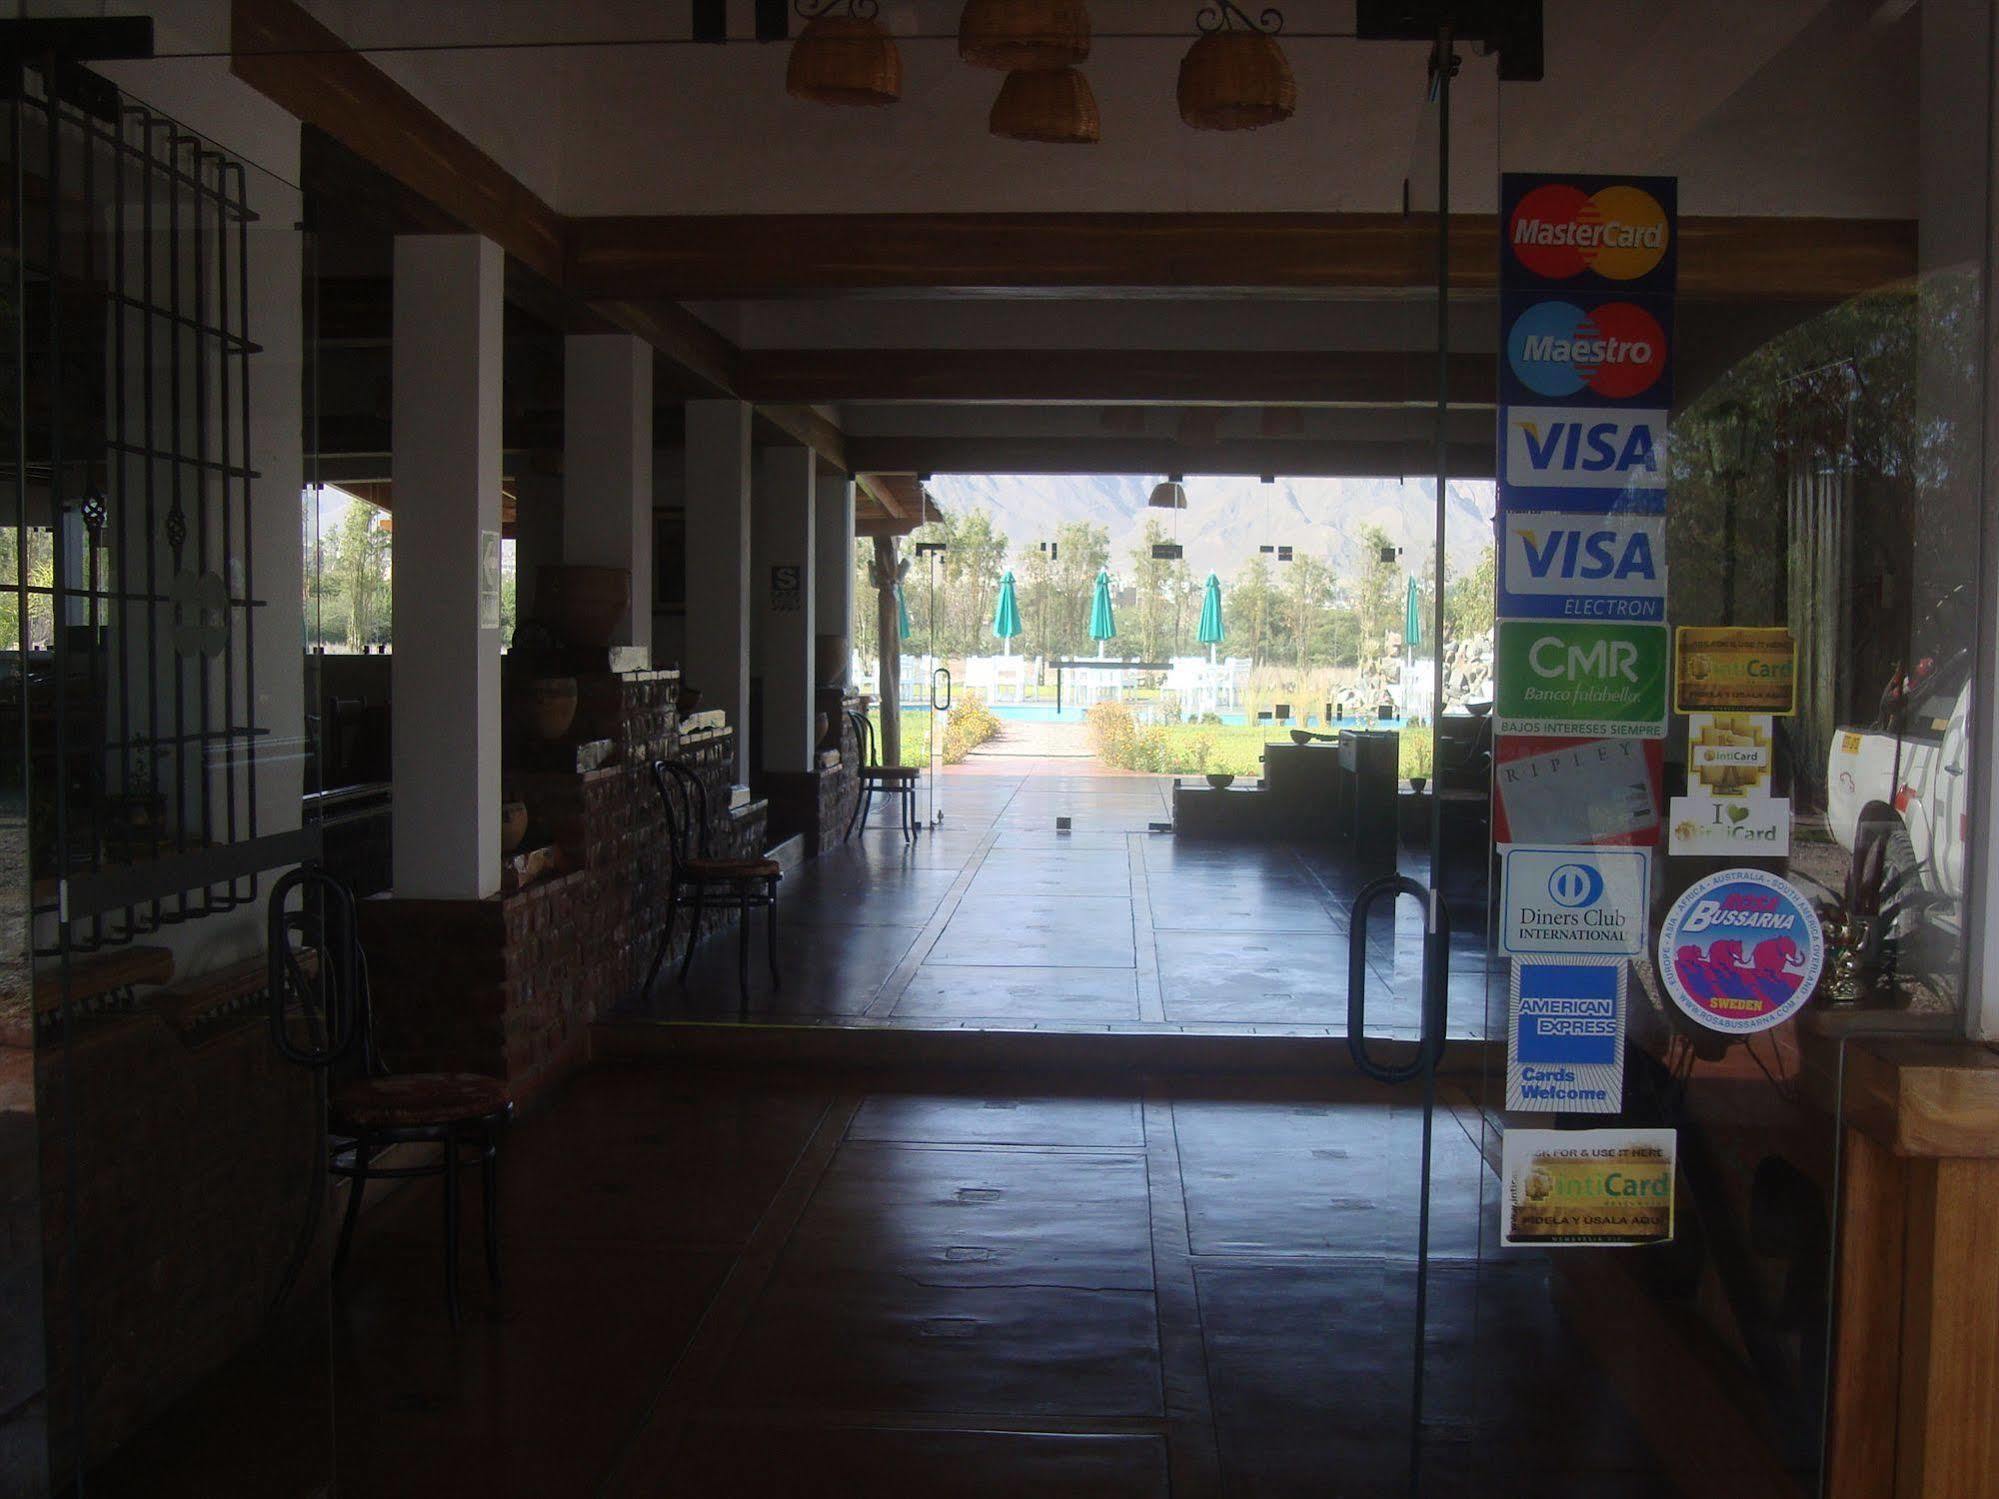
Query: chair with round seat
{"points": [[321, 1018], [897, 781], [702, 881]]}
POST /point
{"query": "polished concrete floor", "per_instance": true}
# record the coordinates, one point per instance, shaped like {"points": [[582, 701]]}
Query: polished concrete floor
{"points": [[732, 1286], [995, 918]]}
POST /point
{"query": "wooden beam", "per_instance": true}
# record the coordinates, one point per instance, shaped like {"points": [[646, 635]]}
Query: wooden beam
{"points": [[806, 427], [1732, 258], [1292, 457], [1337, 377], [288, 56]]}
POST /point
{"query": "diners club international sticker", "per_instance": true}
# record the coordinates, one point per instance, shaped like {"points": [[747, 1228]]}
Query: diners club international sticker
{"points": [[1741, 951]]}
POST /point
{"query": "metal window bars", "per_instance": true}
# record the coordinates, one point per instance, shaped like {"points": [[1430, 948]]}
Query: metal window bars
{"points": [[126, 491]]}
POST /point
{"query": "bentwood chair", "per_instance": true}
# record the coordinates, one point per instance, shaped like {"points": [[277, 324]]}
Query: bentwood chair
{"points": [[702, 881], [320, 1018], [896, 781]]}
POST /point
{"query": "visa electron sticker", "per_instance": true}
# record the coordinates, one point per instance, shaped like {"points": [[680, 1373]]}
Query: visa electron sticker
{"points": [[1552, 790], [1574, 902], [1584, 351], [1588, 1186], [1582, 567], [1583, 459], [1589, 231], [1583, 678], [1741, 951], [1565, 1035]]}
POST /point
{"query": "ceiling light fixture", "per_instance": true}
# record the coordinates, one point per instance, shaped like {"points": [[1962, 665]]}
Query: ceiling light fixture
{"points": [[1236, 79], [1024, 36], [1055, 108], [843, 56], [1169, 494]]}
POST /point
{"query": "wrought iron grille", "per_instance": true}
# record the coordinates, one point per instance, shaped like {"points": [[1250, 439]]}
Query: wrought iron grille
{"points": [[125, 537]]}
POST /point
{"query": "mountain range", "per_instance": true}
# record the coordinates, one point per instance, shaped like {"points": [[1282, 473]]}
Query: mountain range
{"points": [[1228, 518]]}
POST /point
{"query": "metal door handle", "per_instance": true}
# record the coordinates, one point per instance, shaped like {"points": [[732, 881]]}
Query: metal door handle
{"points": [[945, 673], [1436, 957]]}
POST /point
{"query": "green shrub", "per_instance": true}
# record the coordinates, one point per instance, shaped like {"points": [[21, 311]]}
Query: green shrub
{"points": [[972, 723], [1113, 733]]}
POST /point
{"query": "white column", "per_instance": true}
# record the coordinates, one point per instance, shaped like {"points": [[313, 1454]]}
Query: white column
{"points": [[781, 586], [833, 563], [446, 465], [718, 561], [607, 465]]}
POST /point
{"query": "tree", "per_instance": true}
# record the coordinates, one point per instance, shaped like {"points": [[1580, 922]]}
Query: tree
{"points": [[1159, 587], [1307, 589], [1468, 600], [1376, 601], [360, 560], [1253, 605]]}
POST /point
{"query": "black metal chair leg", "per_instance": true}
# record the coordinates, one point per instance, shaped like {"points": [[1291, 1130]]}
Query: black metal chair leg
{"points": [[867, 805], [665, 941], [855, 815], [490, 1168], [694, 932], [451, 1225], [357, 1186], [909, 815], [770, 933], [743, 950]]}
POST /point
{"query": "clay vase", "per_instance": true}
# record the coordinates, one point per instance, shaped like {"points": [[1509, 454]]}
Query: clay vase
{"points": [[582, 604], [548, 704], [513, 826], [820, 724]]}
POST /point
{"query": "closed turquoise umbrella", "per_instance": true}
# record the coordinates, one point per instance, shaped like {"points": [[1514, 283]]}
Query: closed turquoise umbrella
{"points": [[1103, 623], [901, 614], [1412, 618], [1210, 633], [1006, 617]]}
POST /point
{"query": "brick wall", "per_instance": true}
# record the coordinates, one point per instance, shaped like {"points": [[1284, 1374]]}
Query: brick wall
{"points": [[509, 986]]}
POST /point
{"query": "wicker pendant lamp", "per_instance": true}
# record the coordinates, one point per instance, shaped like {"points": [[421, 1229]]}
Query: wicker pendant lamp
{"points": [[1236, 77], [1057, 108], [843, 56], [1024, 36]]}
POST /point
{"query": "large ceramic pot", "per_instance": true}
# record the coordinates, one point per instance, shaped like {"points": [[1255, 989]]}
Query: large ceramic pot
{"points": [[548, 706], [582, 604], [830, 660], [513, 825]]}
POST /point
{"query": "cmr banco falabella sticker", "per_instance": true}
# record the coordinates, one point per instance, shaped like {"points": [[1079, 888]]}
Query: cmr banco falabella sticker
{"points": [[1741, 951]]}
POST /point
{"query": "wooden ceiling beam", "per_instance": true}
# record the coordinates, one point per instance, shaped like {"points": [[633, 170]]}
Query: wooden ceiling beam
{"points": [[1093, 376], [1290, 457], [1733, 258]]}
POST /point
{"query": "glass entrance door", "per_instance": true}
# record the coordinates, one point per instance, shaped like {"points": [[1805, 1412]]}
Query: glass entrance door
{"points": [[1736, 324]]}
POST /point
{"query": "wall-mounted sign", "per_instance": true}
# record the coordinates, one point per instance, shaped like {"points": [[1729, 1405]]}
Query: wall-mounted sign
{"points": [[1583, 460], [786, 589], [1731, 668], [1576, 791], [1565, 1035], [1731, 827], [489, 580], [1741, 951], [1592, 352], [1582, 566], [1574, 902], [1729, 754], [1588, 1186], [1589, 232], [1584, 678]]}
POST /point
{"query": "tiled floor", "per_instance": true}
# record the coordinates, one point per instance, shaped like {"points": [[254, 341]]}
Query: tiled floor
{"points": [[730, 1287], [995, 918]]}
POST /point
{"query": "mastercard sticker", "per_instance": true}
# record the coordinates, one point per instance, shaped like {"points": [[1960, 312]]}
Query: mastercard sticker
{"points": [[1589, 233], [1585, 351]]}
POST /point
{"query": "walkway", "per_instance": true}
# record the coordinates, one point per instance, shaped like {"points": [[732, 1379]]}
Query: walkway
{"points": [[996, 917], [730, 1287]]}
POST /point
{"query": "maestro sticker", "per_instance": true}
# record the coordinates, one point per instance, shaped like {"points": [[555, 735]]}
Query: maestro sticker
{"points": [[1741, 951], [1610, 350]]}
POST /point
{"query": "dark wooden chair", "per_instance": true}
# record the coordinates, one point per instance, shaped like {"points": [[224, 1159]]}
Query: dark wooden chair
{"points": [[701, 881], [320, 1018], [896, 781]]}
